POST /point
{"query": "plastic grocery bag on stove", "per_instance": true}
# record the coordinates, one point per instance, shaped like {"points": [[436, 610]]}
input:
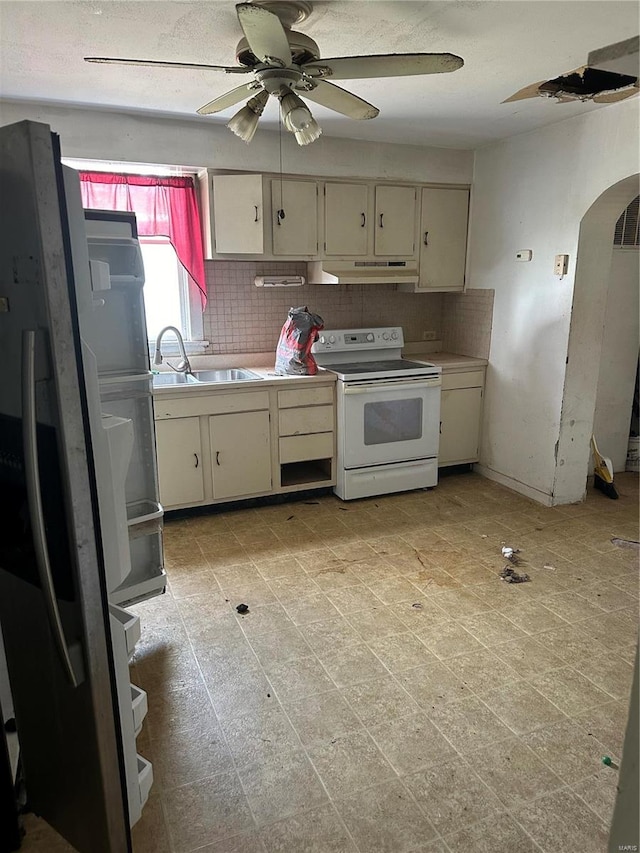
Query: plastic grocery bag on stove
{"points": [[300, 331]]}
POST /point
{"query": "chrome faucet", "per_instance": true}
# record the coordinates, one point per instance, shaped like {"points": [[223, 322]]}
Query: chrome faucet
{"points": [[184, 366]]}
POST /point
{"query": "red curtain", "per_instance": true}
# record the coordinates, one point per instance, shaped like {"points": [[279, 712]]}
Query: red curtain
{"points": [[164, 207]]}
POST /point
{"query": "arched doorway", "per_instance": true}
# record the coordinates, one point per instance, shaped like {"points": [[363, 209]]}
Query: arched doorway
{"points": [[595, 248]]}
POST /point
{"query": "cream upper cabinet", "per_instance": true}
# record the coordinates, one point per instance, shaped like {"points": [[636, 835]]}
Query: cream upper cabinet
{"points": [[240, 454], [443, 238], [294, 217], [346, 214], [238, 227], [180, 471], [395, 220]]}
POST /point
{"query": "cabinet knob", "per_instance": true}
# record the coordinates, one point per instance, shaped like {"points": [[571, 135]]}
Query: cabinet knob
{"points": [[382, 220], [217, 457], [426, 238], [195, 456], [256, 207], [364, 220]]}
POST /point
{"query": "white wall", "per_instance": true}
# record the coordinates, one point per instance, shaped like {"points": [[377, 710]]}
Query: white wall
{"points": [[531, 192], [144, 138], [619, 359]]}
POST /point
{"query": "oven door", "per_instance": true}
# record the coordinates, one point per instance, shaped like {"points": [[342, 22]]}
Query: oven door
{"points": [[390, 420]]}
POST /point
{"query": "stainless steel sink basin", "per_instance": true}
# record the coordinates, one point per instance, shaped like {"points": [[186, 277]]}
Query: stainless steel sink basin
{"points": [[173, 379], [231, 374]]}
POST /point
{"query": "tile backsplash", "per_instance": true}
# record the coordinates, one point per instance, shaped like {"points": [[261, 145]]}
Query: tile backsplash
{"points": [[241, 317], [467, 321]]}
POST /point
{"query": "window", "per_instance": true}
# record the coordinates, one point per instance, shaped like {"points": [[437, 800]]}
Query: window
{"points": [[168, 221], [169, 298]]}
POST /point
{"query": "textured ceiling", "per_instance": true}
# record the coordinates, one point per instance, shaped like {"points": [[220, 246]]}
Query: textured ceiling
{"points": [[505, 45]]}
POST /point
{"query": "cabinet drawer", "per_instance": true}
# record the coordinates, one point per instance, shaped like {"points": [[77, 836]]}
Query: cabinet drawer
{"points": [[305, 421], [299, 448], [464, 379], [215, 404], [305, 397]]}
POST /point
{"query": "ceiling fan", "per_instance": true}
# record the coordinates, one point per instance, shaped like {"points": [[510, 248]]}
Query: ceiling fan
{"points": [[283, 63]]}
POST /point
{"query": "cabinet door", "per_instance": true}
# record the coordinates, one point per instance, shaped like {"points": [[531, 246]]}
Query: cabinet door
{"points": [[460, 411], [395, 221], [345, 219], [237, 211], [295, 233], [240, 454], [179, 461], [443, 238]]}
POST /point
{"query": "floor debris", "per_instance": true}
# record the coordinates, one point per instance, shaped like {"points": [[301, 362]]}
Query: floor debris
{"points": [[511, 576], [550, 567], [418, 605], [242, 608], [626, 543], [510, 554]]}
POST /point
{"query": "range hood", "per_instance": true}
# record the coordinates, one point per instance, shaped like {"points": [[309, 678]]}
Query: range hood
{"points": [[362, 272]]}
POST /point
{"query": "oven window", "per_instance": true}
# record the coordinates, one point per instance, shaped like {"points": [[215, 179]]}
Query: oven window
{"points": [[392, 420]]}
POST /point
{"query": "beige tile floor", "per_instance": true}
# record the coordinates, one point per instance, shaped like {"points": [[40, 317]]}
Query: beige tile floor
{"points": [[387, 691]]}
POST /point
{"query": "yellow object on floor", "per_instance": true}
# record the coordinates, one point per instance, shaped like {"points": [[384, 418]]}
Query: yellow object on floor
{"points": [[603, 472]]}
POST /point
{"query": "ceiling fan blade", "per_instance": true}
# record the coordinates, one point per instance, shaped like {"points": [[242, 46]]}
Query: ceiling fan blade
{"points": [[341, 101], [229, 99], [613, 97], [384, 65], [265, 34], [110, 60]]}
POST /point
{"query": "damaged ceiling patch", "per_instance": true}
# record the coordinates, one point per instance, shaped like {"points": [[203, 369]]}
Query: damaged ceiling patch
{"points": [[601, 85]]}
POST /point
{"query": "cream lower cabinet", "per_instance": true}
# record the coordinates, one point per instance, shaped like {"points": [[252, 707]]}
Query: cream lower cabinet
{"points": [[306, 436], [180, 470], [460, 417], [240, 454], [234, 444]]}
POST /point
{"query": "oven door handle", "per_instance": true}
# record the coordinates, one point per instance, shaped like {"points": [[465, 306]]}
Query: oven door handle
{"points": [[396, 384]]}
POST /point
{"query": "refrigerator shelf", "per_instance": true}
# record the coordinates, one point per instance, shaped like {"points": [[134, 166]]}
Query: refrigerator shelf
{"points": [[123, 377], [123, 256], [144, 517], [139, 708], [145, 779], [130, 624]]}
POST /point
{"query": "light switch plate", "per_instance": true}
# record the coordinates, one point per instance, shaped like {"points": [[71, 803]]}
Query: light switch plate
{"points": [[561, 265]]}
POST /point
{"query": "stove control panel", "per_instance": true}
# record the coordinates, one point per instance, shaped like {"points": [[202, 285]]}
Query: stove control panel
{"points": [[343, 340]]}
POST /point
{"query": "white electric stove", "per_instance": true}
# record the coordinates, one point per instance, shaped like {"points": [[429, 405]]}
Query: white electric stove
{"points": [[388, 412]]}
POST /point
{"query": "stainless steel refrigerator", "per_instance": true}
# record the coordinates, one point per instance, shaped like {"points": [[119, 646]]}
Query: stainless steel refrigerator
{"points": [[80, 522]]}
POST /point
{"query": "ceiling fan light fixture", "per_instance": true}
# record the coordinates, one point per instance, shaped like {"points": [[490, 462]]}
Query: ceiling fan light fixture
{"points": [[295, 113], [245, 122], [309, 134]]}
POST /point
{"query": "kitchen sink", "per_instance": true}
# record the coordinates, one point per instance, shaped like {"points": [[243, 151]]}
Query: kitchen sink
{"points": [[173, 379], [231, 374]]}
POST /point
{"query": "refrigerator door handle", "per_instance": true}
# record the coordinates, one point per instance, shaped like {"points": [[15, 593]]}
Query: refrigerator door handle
{"points": [[31, 464]]}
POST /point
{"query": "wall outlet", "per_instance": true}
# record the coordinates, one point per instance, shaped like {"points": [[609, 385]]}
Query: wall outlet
{"points": [[429, 336]]}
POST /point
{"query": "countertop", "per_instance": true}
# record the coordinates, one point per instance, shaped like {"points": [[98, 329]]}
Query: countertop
{"points": [[449, 361], [262, 364]]}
